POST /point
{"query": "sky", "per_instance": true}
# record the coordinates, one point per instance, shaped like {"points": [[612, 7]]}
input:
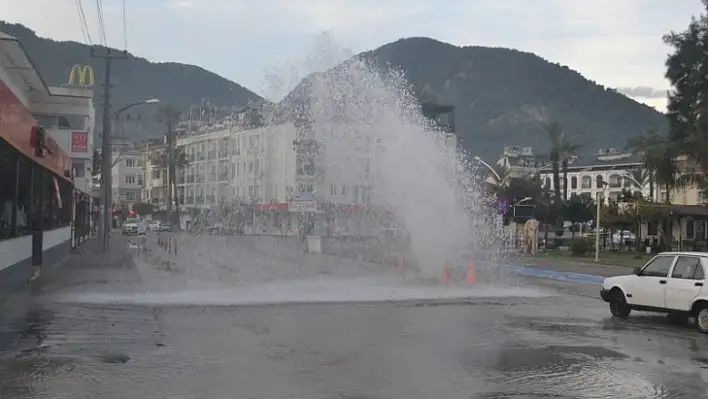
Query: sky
{"points": [[268, 45]]}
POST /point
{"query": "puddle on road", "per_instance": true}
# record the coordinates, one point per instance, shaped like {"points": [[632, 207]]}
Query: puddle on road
{"points": [[308, 291]]}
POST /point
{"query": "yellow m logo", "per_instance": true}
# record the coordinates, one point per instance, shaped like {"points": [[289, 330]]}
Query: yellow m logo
{"points": [[78, 75]]}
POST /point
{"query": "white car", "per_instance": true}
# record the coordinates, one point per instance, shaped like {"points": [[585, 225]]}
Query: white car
{"points": [[671, 282], [624, 236], [134, 226]]}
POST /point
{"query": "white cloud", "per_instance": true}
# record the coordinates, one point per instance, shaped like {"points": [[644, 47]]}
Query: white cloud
{"points": [[616, 43]]}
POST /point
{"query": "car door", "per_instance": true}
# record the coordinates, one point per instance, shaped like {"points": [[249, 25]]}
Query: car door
{"points": [[649, 288], [685, 283]]}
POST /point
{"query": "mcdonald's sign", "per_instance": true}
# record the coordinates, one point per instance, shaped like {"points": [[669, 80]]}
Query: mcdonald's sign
{"points": [[78, 76]]}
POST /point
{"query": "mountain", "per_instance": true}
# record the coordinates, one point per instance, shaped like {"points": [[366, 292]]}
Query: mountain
{"points": [[496, 93], [133, 79]]}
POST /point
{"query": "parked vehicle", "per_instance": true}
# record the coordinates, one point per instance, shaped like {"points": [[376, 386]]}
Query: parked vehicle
{"points": [[134, 226], [671, 282], [624, 237]]}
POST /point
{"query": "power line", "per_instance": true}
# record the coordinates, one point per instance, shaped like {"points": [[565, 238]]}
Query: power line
{"points": [[101, 26], [82, 21], [125, 29]]}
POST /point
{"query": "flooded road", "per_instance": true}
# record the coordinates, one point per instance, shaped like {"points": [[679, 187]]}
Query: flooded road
{"points": [[81, 338]]}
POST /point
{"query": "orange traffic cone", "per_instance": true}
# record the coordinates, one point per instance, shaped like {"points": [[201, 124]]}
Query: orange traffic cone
{"points": [[471, 276], [445, 277]]}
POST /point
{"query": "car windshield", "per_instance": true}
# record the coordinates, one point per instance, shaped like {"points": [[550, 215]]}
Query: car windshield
{"points": [[132, 220]]}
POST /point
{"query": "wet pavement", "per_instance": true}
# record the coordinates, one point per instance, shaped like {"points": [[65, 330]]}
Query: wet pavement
{"points": [[160, 326]]}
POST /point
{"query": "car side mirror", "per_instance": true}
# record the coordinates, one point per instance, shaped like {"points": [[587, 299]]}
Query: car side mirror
{"points": [[637, 271]]}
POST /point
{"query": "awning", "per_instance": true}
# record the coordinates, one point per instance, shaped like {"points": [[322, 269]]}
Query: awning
{"points": [[16, 122]]}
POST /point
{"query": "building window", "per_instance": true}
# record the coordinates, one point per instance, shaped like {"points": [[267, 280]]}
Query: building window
{"points": [[130, 179], [130, 162], [332, 189], [599, 181], [586, 182], [615, 181], [79, 168], [573, 182], [702, 197], [131, 196]]}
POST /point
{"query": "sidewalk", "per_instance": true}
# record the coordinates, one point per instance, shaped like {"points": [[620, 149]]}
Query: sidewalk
{"points": [[34, 320], [571, 266], [89, 267]]}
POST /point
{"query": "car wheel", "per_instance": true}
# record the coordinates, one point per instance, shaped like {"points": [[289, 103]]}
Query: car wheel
{"points": [[702, 318], [618, 304]]}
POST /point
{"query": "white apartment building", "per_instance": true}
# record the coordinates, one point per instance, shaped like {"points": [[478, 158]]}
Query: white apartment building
{"points": [[68, 116], [127, 176], [155, 179], [263, 164], [206, 180], [521, 161], [588, 174], [250, 166]]}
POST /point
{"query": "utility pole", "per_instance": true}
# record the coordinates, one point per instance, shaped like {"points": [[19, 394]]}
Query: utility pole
{"points": [[106, 154]]}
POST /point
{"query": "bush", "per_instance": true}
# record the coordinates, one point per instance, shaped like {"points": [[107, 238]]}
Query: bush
{"points": [[580, 247]]}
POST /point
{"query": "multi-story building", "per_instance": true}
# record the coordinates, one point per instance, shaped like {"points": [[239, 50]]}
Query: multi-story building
{"points": [[521, 161], [606, 171], [155, 190], [205, 181], [68, 115], [127, 176], [233, 164], [44, 212], [263, 164]]}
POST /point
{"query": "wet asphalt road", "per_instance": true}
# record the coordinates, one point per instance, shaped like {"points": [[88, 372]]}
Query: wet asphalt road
{"points": [[184, 336]]}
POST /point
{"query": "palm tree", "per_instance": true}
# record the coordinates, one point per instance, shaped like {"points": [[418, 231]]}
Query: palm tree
{"points": [[557, 139], [640, 177], [659, 157], [168, 115], [567, 151]]}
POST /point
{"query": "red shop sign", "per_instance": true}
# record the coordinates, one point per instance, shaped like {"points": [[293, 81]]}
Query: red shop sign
{"points": [[79, 141]]}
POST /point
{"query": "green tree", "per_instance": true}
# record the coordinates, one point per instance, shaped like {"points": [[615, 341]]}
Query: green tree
{"points": [[168, 115], [659, 154], [687, 71], [578, 209], [143, 208], [640, 177]]}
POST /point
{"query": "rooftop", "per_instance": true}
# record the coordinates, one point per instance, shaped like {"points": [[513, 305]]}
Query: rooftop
{"points": [[15, 60]]}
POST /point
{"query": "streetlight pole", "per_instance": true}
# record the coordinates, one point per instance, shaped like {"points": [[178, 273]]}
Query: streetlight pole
{"points": [[107, 167], [490, 168], [597, 218]]}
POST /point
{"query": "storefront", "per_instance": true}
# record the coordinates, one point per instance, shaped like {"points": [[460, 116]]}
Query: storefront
{"points": [[36, 192]]}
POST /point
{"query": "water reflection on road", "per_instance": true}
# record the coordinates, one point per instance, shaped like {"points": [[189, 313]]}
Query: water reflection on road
{"points": [[486, 346]]}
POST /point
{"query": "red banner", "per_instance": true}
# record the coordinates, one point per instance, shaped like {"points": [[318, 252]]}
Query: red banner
{"points": [[79, 141], [16, 126]]}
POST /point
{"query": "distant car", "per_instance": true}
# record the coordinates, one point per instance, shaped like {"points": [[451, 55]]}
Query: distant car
{"points": [[671, 282], [623, 237], [133, 226]]}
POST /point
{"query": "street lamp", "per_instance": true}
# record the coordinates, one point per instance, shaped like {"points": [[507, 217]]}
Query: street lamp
{"points": [[597, 217], [106, 168], [490, 168]]}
